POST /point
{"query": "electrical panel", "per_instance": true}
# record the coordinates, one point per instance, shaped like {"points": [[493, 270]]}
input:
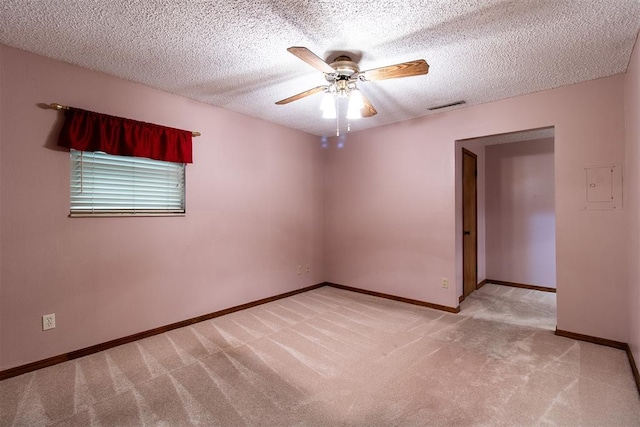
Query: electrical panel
{"points": [[603, 187]]}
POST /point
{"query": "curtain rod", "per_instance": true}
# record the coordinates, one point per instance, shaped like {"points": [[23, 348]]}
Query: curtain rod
{"points": [[57, 106]]}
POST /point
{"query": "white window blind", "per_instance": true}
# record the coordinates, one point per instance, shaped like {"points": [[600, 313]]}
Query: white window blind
{"points": [[103, 184]]}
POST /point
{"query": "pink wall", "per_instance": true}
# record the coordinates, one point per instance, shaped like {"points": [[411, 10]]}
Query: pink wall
{"points": [[256, 209], [389, 213], [521, 229], [391, 202], [631, 196], [254, 212]]}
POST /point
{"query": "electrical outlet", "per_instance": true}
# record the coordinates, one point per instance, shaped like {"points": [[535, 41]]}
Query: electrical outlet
{"points": [[445, 283], [48, 321], [299, 270], [308, 268]]}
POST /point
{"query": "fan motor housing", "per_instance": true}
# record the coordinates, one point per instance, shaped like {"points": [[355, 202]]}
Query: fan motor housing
{"points": [[345, 68]]}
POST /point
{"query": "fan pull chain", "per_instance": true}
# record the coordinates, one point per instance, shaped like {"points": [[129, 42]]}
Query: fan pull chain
{"points": [[337, 116]]}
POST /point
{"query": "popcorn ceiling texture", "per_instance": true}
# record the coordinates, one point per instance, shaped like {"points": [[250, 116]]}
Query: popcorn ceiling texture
{"points": [[233, 54]]}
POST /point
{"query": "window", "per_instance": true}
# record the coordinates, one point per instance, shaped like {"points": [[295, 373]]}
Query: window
{"points": [[104, 184]]}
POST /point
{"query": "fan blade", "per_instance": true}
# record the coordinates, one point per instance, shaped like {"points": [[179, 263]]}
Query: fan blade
{"points": [[406, 69], [312, 59], [302, 95], [367, 110]]}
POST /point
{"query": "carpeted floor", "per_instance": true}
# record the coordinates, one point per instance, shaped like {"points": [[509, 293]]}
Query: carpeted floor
{"points": [[332, 357]]}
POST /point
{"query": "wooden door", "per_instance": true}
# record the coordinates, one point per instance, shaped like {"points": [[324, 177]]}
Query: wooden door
{"points": [[469, 222]]}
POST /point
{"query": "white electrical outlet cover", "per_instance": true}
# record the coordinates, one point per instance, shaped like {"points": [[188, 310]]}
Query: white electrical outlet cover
{"points": [[48, 321]]}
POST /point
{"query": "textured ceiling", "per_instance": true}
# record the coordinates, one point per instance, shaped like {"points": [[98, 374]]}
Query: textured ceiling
{"points": [[233, 54]]}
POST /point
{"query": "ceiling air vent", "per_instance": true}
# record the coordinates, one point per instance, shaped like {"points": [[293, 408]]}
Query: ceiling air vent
{"points": [[439, 107]]}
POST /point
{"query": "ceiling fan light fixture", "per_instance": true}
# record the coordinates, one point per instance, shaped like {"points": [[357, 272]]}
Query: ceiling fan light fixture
{"points": [[342, 75], [328, 106], [355, 105]]}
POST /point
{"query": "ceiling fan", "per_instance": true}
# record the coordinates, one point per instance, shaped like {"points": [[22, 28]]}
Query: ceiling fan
{"points": [[342, 75]]}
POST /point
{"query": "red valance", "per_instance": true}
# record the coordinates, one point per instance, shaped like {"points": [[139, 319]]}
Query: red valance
{"points": [[88, 131]]}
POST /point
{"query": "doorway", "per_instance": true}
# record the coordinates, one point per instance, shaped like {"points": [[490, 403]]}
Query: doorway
{"points": [[505, 211]]}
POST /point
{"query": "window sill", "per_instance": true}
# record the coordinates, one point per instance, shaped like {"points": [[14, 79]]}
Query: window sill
{"points": [[116, 215]]}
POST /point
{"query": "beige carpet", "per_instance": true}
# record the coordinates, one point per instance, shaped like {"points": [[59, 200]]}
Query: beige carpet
{"points": [[332, 357]]}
